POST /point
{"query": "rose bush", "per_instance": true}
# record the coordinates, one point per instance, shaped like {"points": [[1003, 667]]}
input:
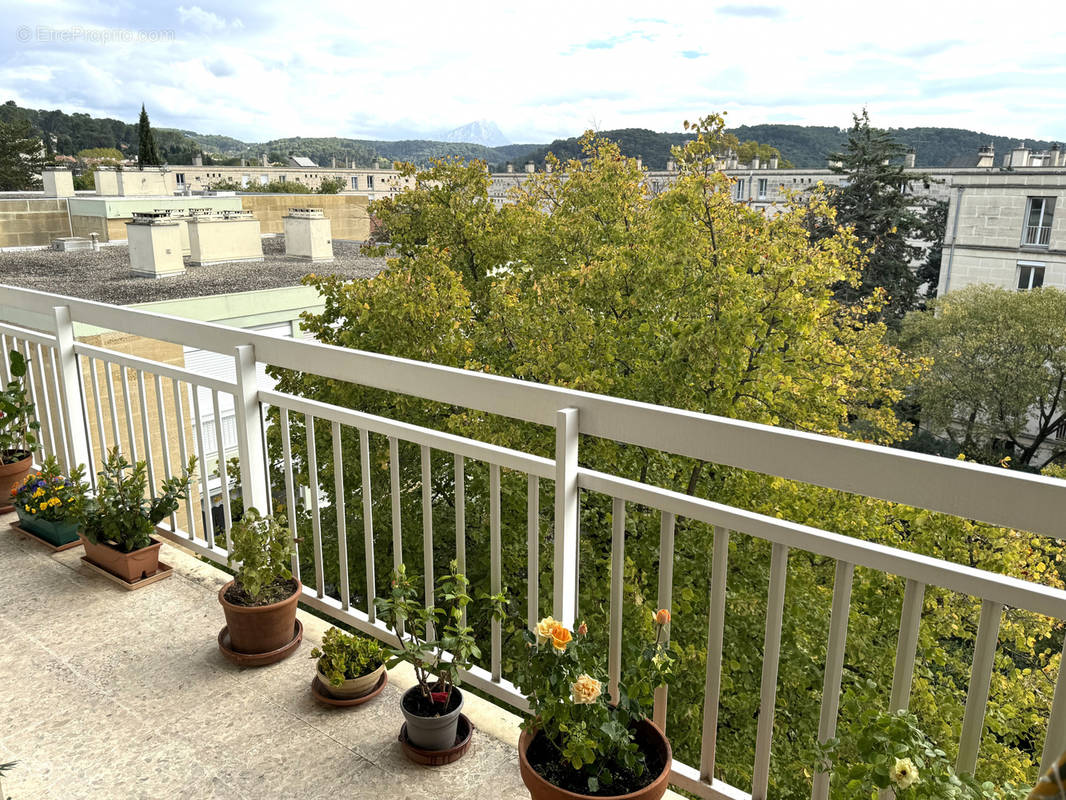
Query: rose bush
{"points": [[564, 678]]}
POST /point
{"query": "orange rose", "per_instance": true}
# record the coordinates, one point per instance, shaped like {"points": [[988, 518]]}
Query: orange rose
{"points": [[582, 629], [662, 617], [560, 637]]}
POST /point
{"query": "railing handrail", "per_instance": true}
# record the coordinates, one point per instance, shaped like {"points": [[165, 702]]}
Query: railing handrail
{"points": [[1001, 497]]}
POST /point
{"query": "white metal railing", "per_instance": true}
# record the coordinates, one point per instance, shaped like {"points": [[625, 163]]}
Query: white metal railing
{"points": [[76, 431], [1039, 235]]}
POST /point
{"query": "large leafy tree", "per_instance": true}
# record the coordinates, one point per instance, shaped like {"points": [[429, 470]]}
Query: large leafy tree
{"points": [[686, 299], [997, 385], [874, 203], [21, 156], [147, 154]]}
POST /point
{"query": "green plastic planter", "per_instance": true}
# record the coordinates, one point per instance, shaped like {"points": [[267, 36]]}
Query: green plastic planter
{"points": [[56, 534]]}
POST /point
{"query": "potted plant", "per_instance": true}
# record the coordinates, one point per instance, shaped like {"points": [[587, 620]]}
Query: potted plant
{"points": [[349, 666], [425, 633], [18, 428], [260, 602], [576, 744], [118, 523], [50, 505]]}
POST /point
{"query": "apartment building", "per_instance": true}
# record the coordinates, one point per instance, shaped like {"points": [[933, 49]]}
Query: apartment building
{"points": [[1002, 226]]}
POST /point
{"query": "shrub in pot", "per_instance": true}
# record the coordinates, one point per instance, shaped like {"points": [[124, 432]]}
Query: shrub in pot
{"points": [[18, 428], [260, 602], [349, 666], [425, 633], [118, 523], [576, 743], [49, 504]]}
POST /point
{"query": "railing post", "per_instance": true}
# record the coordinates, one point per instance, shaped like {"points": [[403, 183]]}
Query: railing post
{"points": [[564, 605], [254, 487], [69, 390]]}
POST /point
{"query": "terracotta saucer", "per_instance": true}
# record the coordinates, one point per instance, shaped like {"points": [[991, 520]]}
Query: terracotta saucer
{"points": [[259, 659], [322, 695], [438, 758]]}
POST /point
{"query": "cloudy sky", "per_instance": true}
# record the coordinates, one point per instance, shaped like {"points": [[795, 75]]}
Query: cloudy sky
{"points": [[261, 70]]}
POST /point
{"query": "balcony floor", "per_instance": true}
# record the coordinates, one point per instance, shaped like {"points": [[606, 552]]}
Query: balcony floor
{"points": [[107, 693]]}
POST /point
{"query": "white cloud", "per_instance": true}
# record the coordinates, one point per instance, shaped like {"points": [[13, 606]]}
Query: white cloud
{"points": [[206, 20], [410, 67]]}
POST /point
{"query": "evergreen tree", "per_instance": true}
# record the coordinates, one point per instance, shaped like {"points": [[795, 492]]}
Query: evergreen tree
{"points": [[147, 155], [21, 156], [874, 202]]}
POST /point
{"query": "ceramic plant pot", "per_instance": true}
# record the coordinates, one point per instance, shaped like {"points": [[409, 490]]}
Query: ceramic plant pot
{"points": [[353, 687], [10, 475], [132, 566], [260, 629], [56, 534], [648, 736], [431, 733]]}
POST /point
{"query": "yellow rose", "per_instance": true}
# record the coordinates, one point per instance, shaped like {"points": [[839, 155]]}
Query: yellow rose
{"points": [[560, 637], [904, 773], [585, 690], [544, 629]]}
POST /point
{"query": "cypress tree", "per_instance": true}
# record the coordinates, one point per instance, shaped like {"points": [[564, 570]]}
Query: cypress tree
{"points": [[147, 155]]}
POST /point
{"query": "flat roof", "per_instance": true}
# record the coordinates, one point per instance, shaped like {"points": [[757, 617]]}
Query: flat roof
{"points": [[105, 276]]}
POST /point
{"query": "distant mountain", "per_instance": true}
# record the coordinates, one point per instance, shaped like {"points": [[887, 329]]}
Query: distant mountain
{"points": [[482, 131], [806, 146], [803, 145]]}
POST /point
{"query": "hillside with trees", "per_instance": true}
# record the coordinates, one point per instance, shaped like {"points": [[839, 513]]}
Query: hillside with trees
{"points": [[799, 145]]}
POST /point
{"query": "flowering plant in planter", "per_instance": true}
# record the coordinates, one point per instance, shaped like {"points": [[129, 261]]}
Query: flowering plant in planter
{"points": [[580, 741], [425, 633], [18, 421], [122, 514], [51, 496]]}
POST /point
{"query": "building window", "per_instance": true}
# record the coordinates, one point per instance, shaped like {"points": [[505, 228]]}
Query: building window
{"points": [[179, 178], [369, 181], [1030, 276], [762, 188], [355, 181], [1038, 217], [740, 189]]}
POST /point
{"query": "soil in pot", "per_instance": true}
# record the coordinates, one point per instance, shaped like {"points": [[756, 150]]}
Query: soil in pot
{"points": [[545, 759], [419, 705], [274, 593]]}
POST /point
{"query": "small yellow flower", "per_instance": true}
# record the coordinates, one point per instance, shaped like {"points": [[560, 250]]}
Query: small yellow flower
{"points": [[586, 690], [904, 773]]}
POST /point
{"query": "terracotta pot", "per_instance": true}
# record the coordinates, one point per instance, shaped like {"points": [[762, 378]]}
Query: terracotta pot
{"points": [[431, 733], [10, 474], [352, 687], [260, 629], [648, 736], [132, 566], [55, 533]]}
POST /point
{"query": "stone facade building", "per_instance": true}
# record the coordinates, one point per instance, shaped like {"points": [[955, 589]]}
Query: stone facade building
{"points": [[1006, 225]]}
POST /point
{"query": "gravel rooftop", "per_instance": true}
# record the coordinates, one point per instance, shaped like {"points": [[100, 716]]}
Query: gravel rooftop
{"points": [[105, 276]]}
